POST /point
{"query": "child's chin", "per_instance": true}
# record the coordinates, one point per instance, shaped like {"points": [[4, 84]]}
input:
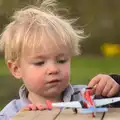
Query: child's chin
{"points": [[54, 92]]}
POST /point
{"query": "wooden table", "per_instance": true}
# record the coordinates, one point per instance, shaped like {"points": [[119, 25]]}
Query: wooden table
{"points": [[67, 114]]}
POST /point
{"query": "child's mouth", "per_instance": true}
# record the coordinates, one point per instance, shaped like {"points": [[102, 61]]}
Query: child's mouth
{"points": [[54, 81]]}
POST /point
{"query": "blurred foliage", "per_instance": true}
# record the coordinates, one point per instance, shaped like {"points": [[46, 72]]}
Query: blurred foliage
{"points": [[99, 18]]}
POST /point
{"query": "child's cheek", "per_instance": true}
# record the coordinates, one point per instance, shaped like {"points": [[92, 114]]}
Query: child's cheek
{"points": [[66, 71], [67, 76], [34, 82]]}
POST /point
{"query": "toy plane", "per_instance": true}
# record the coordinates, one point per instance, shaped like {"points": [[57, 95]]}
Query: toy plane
{"points": [[88, 104]]}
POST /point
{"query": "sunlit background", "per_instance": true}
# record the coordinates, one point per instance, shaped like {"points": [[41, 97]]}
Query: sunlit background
{"points": [[100, 51]]}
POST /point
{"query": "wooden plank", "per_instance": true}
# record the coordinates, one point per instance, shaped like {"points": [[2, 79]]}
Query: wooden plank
{"points": [[37, 115], [70, 115], [113, 114], [67, 114]]}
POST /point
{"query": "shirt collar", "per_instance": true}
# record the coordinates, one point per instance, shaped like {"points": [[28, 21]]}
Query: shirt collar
{"points": [[67, 94], [23, 96]]}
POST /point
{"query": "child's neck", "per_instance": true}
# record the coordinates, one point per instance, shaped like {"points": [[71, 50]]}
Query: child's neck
{"points": [[35, 99]]}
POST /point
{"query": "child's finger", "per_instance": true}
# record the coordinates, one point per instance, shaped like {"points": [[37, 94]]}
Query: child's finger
{"points": [[41, 107], [100, 86], [94, 89], [32, 107], [111, 92], [94, 81], [114, 90], [107, 89]]}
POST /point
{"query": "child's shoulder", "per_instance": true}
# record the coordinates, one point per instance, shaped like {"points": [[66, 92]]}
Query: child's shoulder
{"points": [[10, 109]]}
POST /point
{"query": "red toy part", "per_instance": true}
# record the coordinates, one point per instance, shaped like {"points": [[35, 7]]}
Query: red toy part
{"points": [[49, 104], [87, 95]]}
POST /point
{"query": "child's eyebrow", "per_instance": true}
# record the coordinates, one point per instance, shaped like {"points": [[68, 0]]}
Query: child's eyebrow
{"points": [[38, 57], [61, 55]]}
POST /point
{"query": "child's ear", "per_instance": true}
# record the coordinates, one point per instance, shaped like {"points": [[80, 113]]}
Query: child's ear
{"points": [[14, 68]]}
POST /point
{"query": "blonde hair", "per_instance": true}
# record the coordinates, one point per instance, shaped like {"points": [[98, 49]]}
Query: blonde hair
{"points": [[31, 24]]}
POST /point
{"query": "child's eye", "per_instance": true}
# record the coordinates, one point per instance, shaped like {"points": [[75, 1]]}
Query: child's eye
{"points": [[39, 63], [61, 61]]}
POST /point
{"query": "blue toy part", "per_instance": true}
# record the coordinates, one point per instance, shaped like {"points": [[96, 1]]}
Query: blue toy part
{"points": [[92, 109]]}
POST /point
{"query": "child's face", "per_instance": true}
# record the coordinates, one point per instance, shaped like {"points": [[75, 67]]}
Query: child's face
{"points": [[45, 74]]}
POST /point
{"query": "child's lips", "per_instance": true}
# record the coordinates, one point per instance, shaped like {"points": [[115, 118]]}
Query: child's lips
{"points": [[54, 81]]}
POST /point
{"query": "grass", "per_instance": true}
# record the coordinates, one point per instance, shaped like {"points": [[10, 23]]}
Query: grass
{"points": [[3, 68], [82, 70]]}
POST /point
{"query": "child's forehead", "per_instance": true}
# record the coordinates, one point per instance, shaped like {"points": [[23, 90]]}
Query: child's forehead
{"points": [[46, 54], [46, 46], [45, 51]]}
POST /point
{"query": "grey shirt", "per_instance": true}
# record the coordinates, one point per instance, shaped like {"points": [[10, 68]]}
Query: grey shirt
{"points": [[12, 108]]}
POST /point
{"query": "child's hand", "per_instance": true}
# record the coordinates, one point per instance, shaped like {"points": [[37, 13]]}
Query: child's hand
{"points": [[41, 107], [104, 85], [32, 107]]}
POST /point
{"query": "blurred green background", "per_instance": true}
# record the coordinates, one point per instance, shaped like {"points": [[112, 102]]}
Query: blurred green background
{"points": [[99, 18]]}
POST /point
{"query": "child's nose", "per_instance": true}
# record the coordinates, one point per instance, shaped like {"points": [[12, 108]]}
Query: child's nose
{"points": [[53, 69]]}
